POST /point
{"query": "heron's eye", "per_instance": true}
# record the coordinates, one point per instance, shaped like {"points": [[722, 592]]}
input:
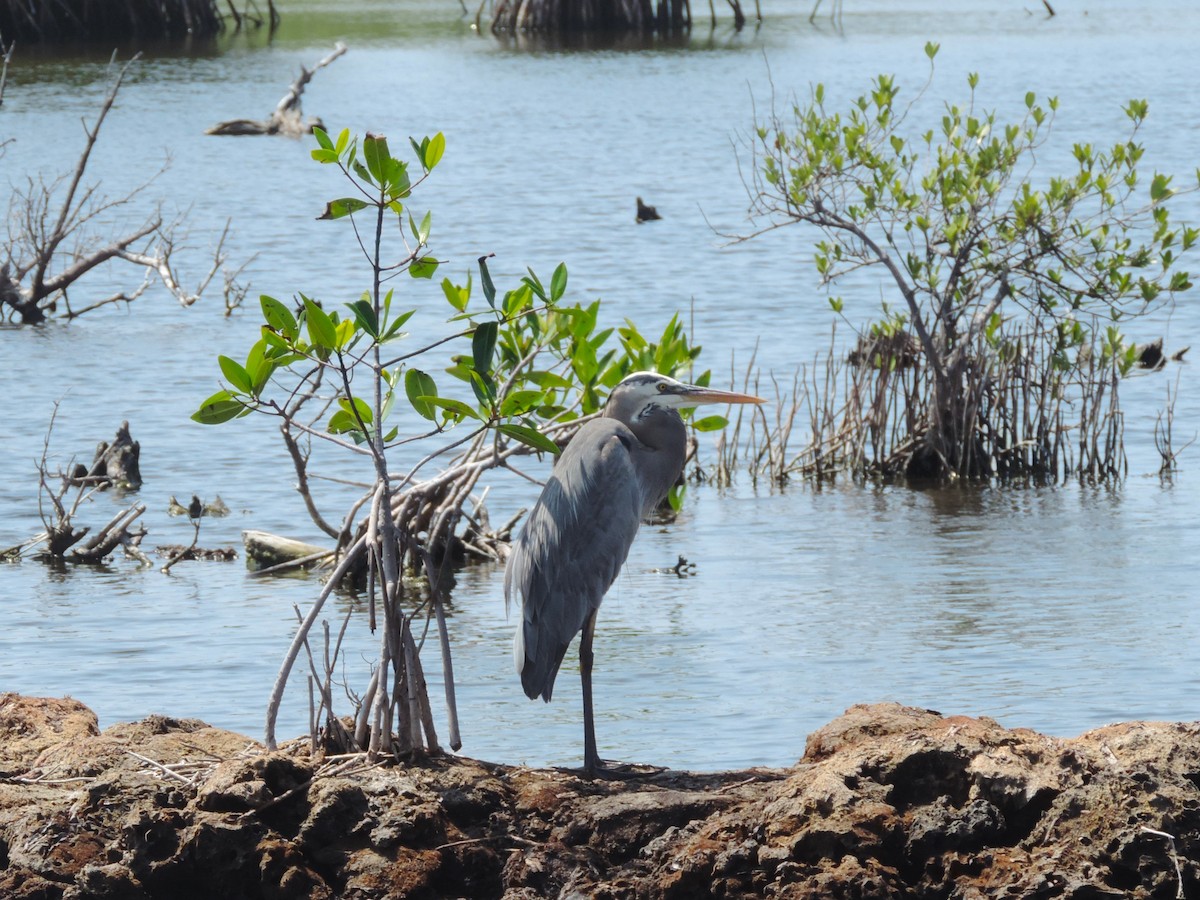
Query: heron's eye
{"points": [[662, 387]]}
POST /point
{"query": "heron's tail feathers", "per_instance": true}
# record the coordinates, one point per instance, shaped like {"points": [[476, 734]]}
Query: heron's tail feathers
{"points": [[538, 674]]}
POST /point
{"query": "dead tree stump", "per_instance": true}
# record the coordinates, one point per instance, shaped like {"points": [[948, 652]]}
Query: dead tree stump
{"points": [[117, 463]]}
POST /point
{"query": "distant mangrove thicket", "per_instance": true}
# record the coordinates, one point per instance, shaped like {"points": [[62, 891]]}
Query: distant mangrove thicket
{"points": [[563, 16], [72, 20], [999, 353]]}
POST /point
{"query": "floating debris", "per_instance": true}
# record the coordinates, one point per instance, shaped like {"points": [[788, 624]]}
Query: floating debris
{"points": [[210, 554], [646, 213]]}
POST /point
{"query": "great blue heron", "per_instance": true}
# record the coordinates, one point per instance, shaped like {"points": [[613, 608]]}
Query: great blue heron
{"points": [[614, 472]]}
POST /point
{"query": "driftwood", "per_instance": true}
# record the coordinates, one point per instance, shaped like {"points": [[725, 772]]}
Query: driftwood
{"points": [[266, 551], [61, 539], [288, 117]]}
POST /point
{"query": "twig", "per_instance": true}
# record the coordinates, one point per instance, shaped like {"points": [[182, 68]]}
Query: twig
{"points": [[350, 559], [186, 550], [1174, 857], [166, 770], [343, 769], [291, 564]]}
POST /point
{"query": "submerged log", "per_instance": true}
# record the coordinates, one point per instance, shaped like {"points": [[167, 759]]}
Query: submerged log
{"points": [[265, 550]]}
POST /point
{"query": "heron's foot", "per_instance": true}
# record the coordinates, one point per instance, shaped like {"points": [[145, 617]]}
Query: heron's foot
{"points": [[611, 771]]}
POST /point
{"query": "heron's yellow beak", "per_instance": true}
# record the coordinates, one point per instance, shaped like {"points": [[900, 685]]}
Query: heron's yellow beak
{"points": [[694, 395]]}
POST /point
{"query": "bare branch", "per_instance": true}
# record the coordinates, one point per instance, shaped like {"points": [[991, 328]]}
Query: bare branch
{"points": [[60, 230]]}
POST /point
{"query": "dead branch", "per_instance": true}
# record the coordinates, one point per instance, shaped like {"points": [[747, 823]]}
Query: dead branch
{"points": [[288, 117], [60, 231], [44, 217], [109, 537]]}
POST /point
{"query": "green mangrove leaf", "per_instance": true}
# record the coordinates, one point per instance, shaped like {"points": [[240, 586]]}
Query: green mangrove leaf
{"points": [[457, 297], [710, 423], [456, 408], [337, 209], [433, 151], [321, 331], [420, 387], [219, 408], [483, 346], [357, 406], [278, 317], [520, 402], [558, 283], [364, 315], [376, 156], [423, 267], [529, 436], [235, 374], [343, 422], [485, 278]]}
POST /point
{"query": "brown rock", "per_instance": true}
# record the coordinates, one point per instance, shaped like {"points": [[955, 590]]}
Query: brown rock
{"points": [[29, 725], [888, 801]]}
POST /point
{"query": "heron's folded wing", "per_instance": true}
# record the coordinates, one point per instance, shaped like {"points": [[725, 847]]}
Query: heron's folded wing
{"points": [[572, 546]]}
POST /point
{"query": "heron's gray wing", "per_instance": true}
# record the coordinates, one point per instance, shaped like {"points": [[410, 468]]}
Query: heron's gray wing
{"points": [[572, 547]]}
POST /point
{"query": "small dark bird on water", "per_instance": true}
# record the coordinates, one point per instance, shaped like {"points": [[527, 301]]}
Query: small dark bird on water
{"points": [[612, 474], [646, 213]]}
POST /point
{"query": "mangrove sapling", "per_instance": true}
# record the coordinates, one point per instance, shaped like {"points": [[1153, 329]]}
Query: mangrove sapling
{"points": [[1004, 286], [1164, 427], [346, 380], [47, 217]]}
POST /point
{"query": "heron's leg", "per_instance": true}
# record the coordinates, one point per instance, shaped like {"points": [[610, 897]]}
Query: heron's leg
{"points": [[591, 759], [592, 764]]}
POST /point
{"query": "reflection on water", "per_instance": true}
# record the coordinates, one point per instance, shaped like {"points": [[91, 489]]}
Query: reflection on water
{"points": [[1053, 608]]}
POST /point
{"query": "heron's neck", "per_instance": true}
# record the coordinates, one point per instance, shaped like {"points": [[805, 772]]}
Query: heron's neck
{"points": [[664, 448]]}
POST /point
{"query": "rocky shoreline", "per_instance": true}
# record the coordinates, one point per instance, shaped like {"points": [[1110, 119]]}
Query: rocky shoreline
{"points": [[888, 801]]}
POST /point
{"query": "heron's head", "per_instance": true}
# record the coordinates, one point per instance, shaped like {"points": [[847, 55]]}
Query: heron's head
{"points": [[642, 391]]}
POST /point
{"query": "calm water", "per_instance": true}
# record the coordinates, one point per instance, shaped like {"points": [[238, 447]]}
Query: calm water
{"points": [[1057, 609]]}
